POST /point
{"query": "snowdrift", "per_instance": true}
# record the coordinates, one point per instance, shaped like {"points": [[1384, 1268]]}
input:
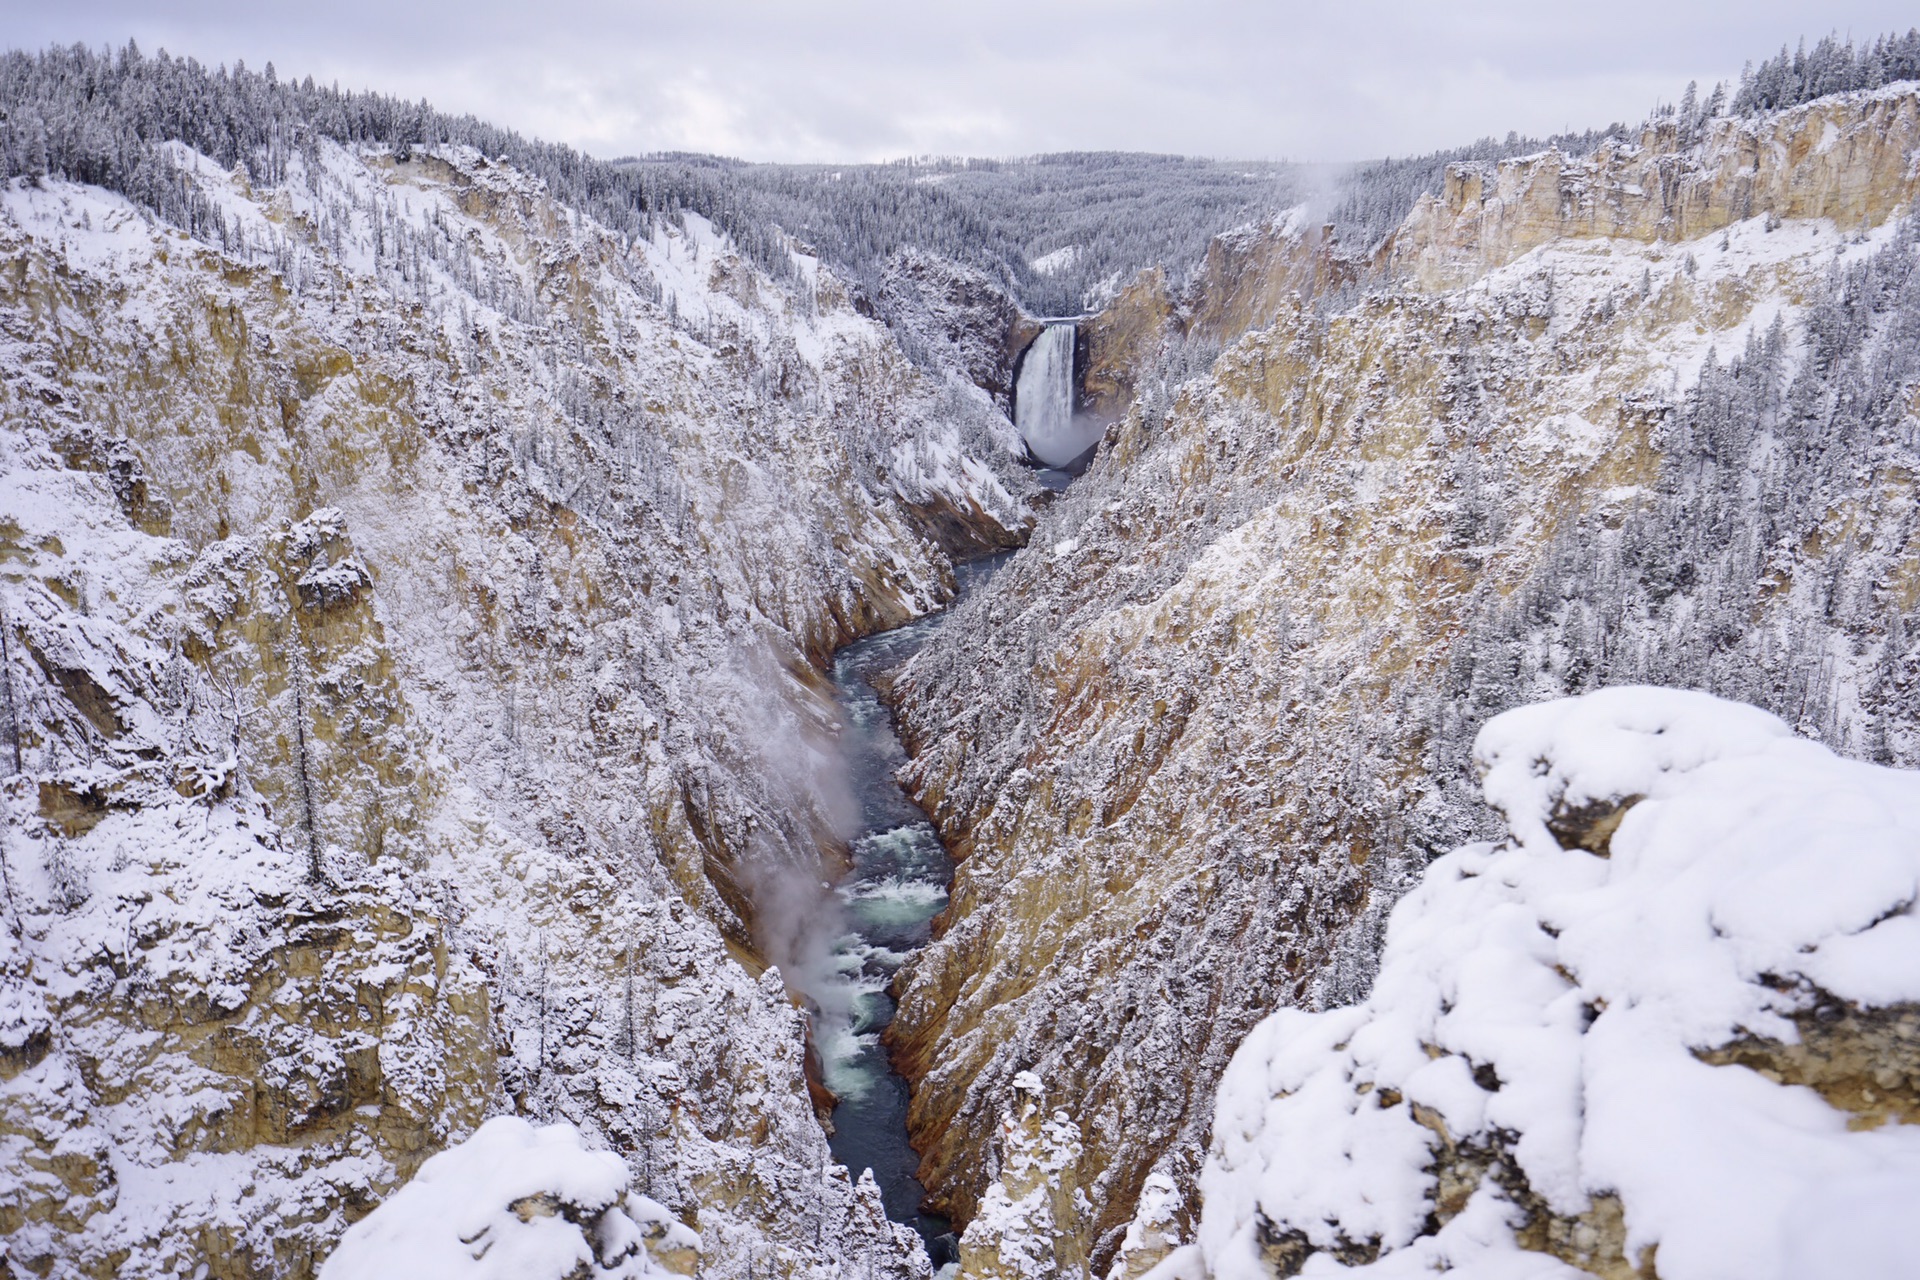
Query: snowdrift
{"points": [[517, 1202]]}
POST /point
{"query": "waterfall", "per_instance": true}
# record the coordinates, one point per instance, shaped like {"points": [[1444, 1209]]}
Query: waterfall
{"points": [[1043, 399]]}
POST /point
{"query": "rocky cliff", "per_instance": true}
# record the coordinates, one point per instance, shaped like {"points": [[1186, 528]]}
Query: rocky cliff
{"points": [[1845, 159], [956, 317], [413, 598], [1641, 417], [1842, 159]]}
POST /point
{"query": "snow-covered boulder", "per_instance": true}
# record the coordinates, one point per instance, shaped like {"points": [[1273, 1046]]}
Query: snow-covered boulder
{"points": [[1687, 1049], [516, 1202]]}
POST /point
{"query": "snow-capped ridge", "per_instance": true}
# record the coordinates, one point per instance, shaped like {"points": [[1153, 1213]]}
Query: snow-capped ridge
{"points": [[1843, 157]]}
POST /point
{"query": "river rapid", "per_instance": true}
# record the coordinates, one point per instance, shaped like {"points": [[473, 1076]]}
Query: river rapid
{"points": [[897, 885]]}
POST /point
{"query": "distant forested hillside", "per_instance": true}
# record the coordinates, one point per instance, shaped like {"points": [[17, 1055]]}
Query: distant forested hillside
{"points": [[1059, 231], [1062, 230]]}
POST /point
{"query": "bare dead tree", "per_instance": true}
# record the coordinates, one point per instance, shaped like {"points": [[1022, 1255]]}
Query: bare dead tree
{"points": [[316, 870], [6, 882], [6, 681], [540, 1067], [627, 1028]]}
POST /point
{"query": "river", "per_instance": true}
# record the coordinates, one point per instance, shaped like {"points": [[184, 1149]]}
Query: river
{"points": [[897, 884]]}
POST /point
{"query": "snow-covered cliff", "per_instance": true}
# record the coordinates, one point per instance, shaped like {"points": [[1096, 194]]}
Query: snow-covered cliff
{"points": [[517, 1202], [413, 597], [1201, 735], [414, 587]]}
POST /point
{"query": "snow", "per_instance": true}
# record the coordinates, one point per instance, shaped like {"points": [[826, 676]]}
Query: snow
{"points": [[93, 230], [1756, 876], [1056, 261], [1014, 1226], [1565, 435], [514, 1202], [492, 863], [1743, 259], [1253, 568]]}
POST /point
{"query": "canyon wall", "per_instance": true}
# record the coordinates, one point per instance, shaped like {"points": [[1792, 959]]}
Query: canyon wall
{"points": [[953, 316], [1846, 159], [414, 597], [1640, 417]]}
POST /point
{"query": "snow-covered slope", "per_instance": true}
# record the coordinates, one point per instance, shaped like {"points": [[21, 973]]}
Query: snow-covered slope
{"points": [[1666, 1027], [1200, 735], [411, 622]]}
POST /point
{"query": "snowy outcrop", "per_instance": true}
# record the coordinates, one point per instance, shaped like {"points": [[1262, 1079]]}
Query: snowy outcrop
{"points": [[1195, 741], [1023, 1229], [958, 317], [517, 1202], [1603, 1046]]}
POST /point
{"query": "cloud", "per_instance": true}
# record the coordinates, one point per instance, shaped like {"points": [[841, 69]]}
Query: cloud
{"points": [[853, 80]]}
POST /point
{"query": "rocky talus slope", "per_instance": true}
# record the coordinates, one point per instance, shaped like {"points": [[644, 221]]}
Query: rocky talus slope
{"points": [[1645, 416], [413, 595]]}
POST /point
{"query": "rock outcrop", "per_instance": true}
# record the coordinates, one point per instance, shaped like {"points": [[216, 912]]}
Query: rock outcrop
{"points": [[1844, 159], [1585, 1063], [960, 318], [1124, 340], [1023, 1230], [522, 1202]]}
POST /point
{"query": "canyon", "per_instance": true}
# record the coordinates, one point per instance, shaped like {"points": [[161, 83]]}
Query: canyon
{"points": [[415, 684], [446, 628], [1195, 742]]}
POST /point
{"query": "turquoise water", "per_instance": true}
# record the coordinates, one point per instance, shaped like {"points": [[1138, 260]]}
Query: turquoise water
{"points": [[897, 885]]}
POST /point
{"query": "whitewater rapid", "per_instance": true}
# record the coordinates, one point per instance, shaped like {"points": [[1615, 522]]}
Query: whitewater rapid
{"points": [[887, 902]]}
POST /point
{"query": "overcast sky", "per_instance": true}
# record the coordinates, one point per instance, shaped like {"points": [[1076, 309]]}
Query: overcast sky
{"points": [[854, 80]]}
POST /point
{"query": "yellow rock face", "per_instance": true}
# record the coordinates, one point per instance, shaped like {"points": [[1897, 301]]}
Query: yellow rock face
{"points": [[413, 675], [1843, 159], [1123, 339], [1211, 676], [1251, 276]]}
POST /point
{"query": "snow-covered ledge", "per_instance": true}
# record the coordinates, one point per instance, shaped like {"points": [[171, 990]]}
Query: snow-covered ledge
{"points": [[1690, 1049], [517, 1202]]}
